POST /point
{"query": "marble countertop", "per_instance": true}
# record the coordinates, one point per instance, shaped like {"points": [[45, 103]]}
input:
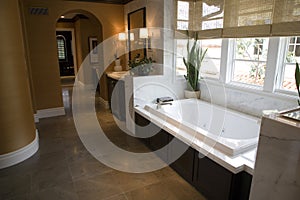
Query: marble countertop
{"points": [[117, 75], [235, 164]]}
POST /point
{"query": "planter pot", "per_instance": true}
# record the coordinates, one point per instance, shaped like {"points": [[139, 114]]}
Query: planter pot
{"points": [[117, 68], [192, 94], [117, 62]]}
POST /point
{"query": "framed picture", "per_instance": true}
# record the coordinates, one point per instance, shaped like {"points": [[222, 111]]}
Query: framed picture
{"points": [[93, 47]]}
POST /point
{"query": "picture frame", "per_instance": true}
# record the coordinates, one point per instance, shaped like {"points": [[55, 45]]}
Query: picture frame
{"points": [[93, 48]]}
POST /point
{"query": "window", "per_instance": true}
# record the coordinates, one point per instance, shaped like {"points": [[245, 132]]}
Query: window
{"points": [[199, 15], [212, 15], [61, 47], [180, 53], [211, 63], [291, 55], [250, 58], [183, 15]]}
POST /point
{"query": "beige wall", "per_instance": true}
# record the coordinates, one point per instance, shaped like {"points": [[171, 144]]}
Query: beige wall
{"points": [[154, 18], [42, 45], [16, 115]]}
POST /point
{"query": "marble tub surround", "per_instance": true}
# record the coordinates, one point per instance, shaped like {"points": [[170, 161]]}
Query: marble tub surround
{"points": [[235, 164], [277, 168]]}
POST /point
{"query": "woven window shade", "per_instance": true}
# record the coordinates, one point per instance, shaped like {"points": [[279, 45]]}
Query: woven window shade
{"points": [[286, 19], [205, 17], [185, 19], [245, 18]]}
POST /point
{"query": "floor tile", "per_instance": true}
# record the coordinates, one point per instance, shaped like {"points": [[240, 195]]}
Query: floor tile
{"points": [[98, 187], [64, 169], [59, 192]]}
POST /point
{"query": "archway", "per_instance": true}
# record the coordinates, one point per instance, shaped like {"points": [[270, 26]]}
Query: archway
{"points": [[76, 30]]}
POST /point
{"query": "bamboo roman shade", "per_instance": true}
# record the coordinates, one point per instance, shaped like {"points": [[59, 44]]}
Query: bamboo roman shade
{"points": [[205, 16], [286, 18], [246, 18], [239, 18]]}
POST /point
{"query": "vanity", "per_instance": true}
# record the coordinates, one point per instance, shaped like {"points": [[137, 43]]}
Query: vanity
{"points": [[116, 93]]}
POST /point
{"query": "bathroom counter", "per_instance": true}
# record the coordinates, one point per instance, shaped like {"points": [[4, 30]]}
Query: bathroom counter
{"points": [[117, 75], [235, 164]]}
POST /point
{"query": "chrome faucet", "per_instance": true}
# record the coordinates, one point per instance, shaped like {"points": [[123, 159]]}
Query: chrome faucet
{"points": [[161, 103]]}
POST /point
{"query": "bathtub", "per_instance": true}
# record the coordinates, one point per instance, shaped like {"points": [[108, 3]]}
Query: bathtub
{"points": [[227, 131]]}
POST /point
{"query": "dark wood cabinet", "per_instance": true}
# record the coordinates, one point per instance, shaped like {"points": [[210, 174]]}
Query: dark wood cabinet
{"points": [[217, 183], [211, 179], [159, 144], [116, 97], [184, 165]]}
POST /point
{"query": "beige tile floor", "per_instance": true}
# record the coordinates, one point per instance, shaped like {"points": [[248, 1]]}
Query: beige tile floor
{"points": [[63, 168]]}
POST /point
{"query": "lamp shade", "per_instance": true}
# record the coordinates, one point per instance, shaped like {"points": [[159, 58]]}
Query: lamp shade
{"points": [[131, 36], [122, 37], [144, 33]]}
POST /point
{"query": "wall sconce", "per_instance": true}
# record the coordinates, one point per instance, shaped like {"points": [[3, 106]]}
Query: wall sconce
{"points": [[131, 36], [122, 37], [144, 33]]}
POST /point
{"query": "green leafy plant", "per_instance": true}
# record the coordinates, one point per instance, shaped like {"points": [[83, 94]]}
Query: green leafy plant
{"points": [[297, 79], [141, 67], [192, 62]]}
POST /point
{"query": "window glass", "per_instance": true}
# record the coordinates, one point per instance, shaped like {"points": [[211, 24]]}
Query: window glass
{"points": [[61, 47], [291, 56], [250, 58], [183, 15], [211, 63]]}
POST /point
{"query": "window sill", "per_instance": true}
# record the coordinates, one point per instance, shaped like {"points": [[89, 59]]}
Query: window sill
{"points": [[292, 97]]}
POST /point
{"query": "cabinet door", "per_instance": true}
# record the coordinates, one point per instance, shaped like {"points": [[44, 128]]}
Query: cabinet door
{"points": [[158, 143], [185, 163], [110, 87], [211, 179], [116, 97]]}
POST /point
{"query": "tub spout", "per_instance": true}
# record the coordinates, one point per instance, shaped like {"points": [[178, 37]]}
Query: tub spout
{"points": [[161, 103]]}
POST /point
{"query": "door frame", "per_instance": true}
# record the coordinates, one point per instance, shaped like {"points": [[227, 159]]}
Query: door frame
{"points": [[74, 50]]}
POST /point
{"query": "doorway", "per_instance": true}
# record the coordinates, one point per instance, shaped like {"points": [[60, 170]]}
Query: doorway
{"points": [[65, 53]]}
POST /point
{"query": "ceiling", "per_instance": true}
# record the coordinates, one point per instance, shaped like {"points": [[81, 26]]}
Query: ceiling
{"points": [[105, 1]]}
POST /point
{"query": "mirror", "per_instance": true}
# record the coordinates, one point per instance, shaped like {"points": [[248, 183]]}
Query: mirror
{"points": [[137, 46]]}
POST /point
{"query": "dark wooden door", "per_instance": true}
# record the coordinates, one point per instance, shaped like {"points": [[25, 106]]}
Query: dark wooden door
{"points": [[65, 54]]}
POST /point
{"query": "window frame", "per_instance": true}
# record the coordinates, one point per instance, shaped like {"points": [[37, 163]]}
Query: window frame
{"points": [[273, 74], [281, 70], [206, 57]]}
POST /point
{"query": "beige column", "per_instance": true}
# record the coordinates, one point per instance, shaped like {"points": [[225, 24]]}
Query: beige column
{"points": [[17, 128]]}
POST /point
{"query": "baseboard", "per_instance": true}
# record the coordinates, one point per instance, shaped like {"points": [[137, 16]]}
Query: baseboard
{"points": [[20, 155], [86, 86], [36, 118], [51, 112], [104, 103]]}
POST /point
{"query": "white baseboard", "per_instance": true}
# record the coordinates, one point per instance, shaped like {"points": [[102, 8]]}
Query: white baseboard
{"points": [[20, 155], [36, 118], [51, 112], [86, 86], [104, 103]]}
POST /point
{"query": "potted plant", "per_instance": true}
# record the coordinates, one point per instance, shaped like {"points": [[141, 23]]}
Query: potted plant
{"points": [[192, 62], [297, 80], [141, 67]]}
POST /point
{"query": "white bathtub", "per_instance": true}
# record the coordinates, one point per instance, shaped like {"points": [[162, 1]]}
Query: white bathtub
{"points": [[228, 131]]}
